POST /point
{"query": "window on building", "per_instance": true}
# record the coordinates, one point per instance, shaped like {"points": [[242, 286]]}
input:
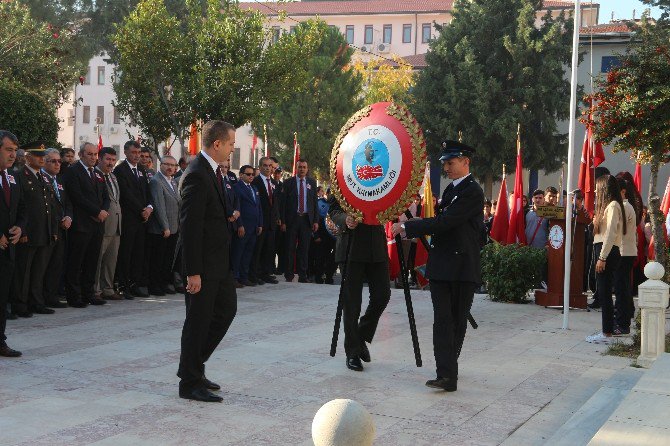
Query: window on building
{"points": [[100, 119], [235, 162], [425, 32], [101, 75], [368, 35], [87, 78], [86, 115], [117, 117], [276, 32], [388, 29], [407, 33], [70, 117], [350, 34], [292, 30], [609, 62]]}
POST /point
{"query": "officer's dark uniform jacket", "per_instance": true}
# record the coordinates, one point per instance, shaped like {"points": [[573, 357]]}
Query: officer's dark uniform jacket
{"points": [[41, 221], [369, 242], [456, 233]]}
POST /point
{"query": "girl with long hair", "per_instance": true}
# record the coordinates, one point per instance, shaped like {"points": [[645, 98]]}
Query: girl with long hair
{"points": [[624, 306], [609, 227]]}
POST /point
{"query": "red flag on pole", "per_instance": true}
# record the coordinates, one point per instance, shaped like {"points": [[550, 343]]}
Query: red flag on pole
{"points": [[392, 251], [296, 152], [99, 143], [501, 217], [516, 233], [592, 156], [193, 143], [254, 143], [637, 178], [665, 204]]}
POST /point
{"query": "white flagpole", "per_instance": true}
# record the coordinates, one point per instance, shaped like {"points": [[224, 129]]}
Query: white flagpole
{"points": [[571, 151]]}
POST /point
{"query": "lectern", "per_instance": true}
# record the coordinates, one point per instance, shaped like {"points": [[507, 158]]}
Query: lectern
{"points": [[553, 295]]}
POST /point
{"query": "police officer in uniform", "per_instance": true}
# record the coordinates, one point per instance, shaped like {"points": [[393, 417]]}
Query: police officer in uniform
{"points": [[34, 249], [453, 262], [368, 259]]}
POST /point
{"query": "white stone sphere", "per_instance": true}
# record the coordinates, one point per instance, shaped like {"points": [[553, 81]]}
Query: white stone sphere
{"points": [[654, 271], [343, 422]]}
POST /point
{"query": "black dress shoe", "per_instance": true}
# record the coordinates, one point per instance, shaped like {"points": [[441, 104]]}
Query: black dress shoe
{"points": [[24, 313], [95, 301], [56, 304], [11, 316], [8, 352], [442, 383], [180, 289], [43, 310], [156, 292], [318, 280], [201, 394], [238, 285], [260, 282], [169, 289], [270, 279], [304, 280], [329, 281], [78, 303], [209, 385], [365, 353], [138, 292], [354, 364], [247, 282], [289, 278]]}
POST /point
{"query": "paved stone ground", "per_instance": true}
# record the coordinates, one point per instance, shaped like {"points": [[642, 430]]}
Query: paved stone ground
{"points": [[106, 375]]}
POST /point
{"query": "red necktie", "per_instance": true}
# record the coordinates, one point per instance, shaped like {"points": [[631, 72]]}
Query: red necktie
{"points": [[5, 187], [269, 190], [301, 198]]}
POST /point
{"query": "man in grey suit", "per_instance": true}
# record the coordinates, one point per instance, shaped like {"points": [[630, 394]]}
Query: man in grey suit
{"points": [[163, 227], [104, 277]]}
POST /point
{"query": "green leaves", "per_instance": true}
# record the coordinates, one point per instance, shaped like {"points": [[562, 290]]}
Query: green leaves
{"points": [[509, 271]]}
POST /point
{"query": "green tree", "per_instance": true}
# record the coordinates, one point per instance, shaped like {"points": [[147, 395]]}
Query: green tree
{"points": [[490, 69], [26, 114], [382, 81], [41, 56], [631, 107], [318, 109], [176, 67]]}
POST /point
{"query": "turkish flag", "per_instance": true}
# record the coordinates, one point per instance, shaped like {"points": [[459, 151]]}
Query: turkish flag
{"points": [[394, 262], [592, 156], [516, 233], [193, 143], [99, 143]]}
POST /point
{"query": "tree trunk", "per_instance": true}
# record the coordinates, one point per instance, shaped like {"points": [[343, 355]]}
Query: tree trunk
{"points": [[488, 185], [656, 216], [184, 152]]}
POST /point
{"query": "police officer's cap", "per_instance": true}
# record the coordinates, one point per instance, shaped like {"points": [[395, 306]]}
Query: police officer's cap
{"points": [[455, 149], [37, 148]]}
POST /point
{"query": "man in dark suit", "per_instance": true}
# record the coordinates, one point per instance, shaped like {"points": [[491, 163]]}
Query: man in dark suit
{"points": [[211, 299], [136, 209], [299, 220], [368, 259], [279, 236], [62, 209], [251, 225], [262, 264], [453, 262], [12, 221], [232, 205], [40, 235], [90, 203]]}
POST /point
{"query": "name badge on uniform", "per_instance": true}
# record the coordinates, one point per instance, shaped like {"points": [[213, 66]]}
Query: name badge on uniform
{"points": [[309, 186], [60, 186], [228, 186], [11, 179]]}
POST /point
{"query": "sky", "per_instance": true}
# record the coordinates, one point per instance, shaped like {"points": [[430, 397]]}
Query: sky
{"points": [[623, 9]]}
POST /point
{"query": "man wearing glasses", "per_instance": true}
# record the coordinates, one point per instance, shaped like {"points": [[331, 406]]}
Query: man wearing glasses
{"points": [[251, 225]]}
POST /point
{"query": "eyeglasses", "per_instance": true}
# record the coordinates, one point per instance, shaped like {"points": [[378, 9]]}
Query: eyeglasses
{"points": [[169, 164], [247, 173], [55, 161]]}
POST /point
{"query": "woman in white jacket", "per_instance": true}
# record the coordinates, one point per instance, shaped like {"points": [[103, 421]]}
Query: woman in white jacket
{"points": [[609, 227]]}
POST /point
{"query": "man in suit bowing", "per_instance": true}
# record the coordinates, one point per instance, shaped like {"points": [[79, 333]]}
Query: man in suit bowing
{"points": [[453, 262], [299, 220], [251, 225], [211, 299], [136, 209], [12, 221]]}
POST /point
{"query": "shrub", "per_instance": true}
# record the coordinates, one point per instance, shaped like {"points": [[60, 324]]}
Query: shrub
{"points": [[26, 114], [511, 270]]}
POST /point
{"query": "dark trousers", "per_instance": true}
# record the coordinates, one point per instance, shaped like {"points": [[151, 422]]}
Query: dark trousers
{"points": [[162, 252], [130, 260], [324, 257], [54, 273], [83, 253], [208, 317], [263, 261], [604, 283], [451, 305], [358, 331], [6, 278], [31, 265], [242, 252], [298, 236], [625, 308]]}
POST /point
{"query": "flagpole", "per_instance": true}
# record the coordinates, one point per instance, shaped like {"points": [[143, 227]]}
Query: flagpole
{"points": [[265, 141], [571, 150]]}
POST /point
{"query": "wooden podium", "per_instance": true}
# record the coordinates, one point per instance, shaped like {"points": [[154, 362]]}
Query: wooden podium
{"points": [[553, 296]]}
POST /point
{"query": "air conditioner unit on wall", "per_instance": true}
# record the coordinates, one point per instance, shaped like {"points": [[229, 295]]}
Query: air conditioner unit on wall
{"points": [[364, 49], [383, 48]]}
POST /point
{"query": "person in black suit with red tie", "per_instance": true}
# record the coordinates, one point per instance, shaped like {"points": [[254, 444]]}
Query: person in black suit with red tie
{"points": [[136, 209], [299, 220], [453, 262], [90, 203], [12, 222], [211, 299], [262, 264]]}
